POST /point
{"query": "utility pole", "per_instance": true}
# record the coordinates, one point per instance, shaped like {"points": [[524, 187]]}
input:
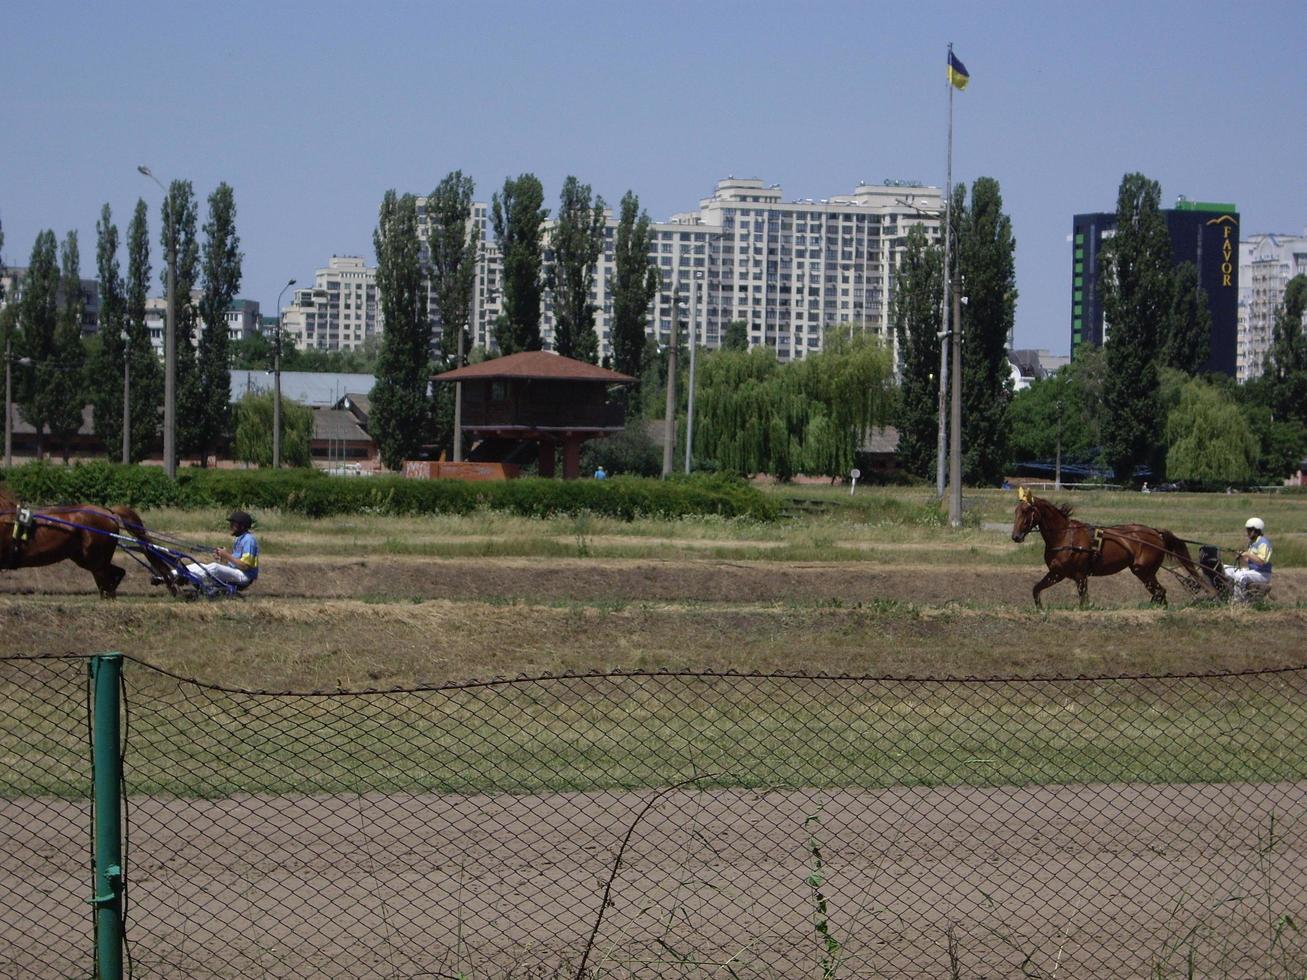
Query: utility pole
{"points": [[669, 421], [458, 385], [694, 342], [955, 423], [9, 403], [1057, 465], [127, 398], [276, 384]]}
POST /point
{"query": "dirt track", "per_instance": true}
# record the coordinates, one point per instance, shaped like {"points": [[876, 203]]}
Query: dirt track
{"points": [[634, 580]]}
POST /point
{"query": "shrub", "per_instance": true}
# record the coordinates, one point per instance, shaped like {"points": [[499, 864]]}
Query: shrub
{"points": [[308, 492]]}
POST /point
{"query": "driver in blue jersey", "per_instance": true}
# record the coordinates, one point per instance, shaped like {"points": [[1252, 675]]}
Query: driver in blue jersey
{"points": [[239, 565], [1253, 565]]}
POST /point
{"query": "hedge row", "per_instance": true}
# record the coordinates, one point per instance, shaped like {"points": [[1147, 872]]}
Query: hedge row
{"points": [[312, 494]]}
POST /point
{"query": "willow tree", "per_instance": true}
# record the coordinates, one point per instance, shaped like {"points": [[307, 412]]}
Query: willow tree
{"points": [[756, 415], [1208, 438]]}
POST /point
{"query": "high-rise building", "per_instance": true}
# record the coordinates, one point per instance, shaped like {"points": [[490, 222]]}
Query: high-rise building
{"points": [[787, 269], [1266, 264], [1205, 234], [340, 311]]}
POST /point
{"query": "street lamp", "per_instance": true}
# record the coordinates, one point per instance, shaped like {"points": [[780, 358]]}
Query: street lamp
{"points": [[669, 420], [127, 398], [9, 399], [694, 342], [276, 384], [169, 342]]}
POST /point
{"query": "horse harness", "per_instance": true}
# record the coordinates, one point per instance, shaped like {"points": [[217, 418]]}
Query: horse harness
{"points": [[24, 522], [1095, 549]]}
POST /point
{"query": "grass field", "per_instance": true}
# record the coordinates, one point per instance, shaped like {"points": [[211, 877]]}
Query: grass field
{"points": [[872, 585]]}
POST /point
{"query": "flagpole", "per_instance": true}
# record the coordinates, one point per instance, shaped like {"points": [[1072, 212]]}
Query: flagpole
{"points": [[941, 450], [955, 339]]}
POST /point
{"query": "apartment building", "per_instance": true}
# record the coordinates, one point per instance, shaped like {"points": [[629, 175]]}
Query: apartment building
{"points": [[487, 292], [242, 319], [11, 293], [340, 311], [788, 269], [1266, 264]]}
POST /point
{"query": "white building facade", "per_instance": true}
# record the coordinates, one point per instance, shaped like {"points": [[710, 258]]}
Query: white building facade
{"points": [[788, 269], [341, 311], [242, 319], [1266, 264]]}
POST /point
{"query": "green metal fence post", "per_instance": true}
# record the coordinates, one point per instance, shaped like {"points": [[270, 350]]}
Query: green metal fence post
{"points": [[106, 671]]}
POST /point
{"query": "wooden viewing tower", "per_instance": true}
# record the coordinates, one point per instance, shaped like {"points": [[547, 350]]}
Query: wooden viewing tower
{"points": [[542, 398]]}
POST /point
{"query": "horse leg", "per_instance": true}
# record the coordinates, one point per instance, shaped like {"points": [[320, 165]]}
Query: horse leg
{"points": [[107, 578], [1082, 589], [1149, 577], [1052, 578]]}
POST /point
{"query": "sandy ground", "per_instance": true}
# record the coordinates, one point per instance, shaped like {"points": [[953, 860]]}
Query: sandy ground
{"points": [[1075, 881], [588, 580]]}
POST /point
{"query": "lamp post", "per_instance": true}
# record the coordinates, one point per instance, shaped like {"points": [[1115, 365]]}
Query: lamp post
{"points": [[669, 420], [276, 384], [9, 400], [694, 342], [127, 398], [1057, 466], [473, 322], [169, 342]]}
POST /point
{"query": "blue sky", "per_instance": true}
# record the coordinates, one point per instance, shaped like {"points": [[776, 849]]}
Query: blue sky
{"points": [[311, 111]]}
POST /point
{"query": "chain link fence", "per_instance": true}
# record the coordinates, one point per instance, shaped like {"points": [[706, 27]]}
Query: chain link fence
{"points": [[671, 825]]}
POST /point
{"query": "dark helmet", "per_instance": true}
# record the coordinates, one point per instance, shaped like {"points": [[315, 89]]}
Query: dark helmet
{"points": [[240, 519]]}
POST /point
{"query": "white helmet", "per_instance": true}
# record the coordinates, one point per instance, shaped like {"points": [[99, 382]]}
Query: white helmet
{"points": [[1255, 524]]}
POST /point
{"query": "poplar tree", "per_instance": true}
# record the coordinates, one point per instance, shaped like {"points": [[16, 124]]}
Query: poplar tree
{"points": [[400, 409], [453, 244], [986, 260], [635, 284], [222, 278], [1288, 354], [38, 320], [180, 216], [1188, 338], [914, 311], [63, 375], [146, 372], [518, 215], [1136, 287], [576, 244], [107, 373]]}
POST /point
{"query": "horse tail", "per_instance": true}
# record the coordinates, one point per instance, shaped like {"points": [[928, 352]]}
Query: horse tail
{"points": [[1176, 549], [131, 522]]}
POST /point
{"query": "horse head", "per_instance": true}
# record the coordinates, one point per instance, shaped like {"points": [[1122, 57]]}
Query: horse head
{"points": [[1027, 515]]}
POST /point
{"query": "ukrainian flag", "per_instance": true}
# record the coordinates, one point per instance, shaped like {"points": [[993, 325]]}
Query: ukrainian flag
{"points": [[957, 72]]}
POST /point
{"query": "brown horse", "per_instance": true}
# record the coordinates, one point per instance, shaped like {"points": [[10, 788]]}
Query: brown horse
{"points": [[85, 534], [1075, 550]]}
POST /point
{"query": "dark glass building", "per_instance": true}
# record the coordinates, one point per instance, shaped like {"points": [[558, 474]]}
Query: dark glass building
{"points": [[1205, 234]]}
